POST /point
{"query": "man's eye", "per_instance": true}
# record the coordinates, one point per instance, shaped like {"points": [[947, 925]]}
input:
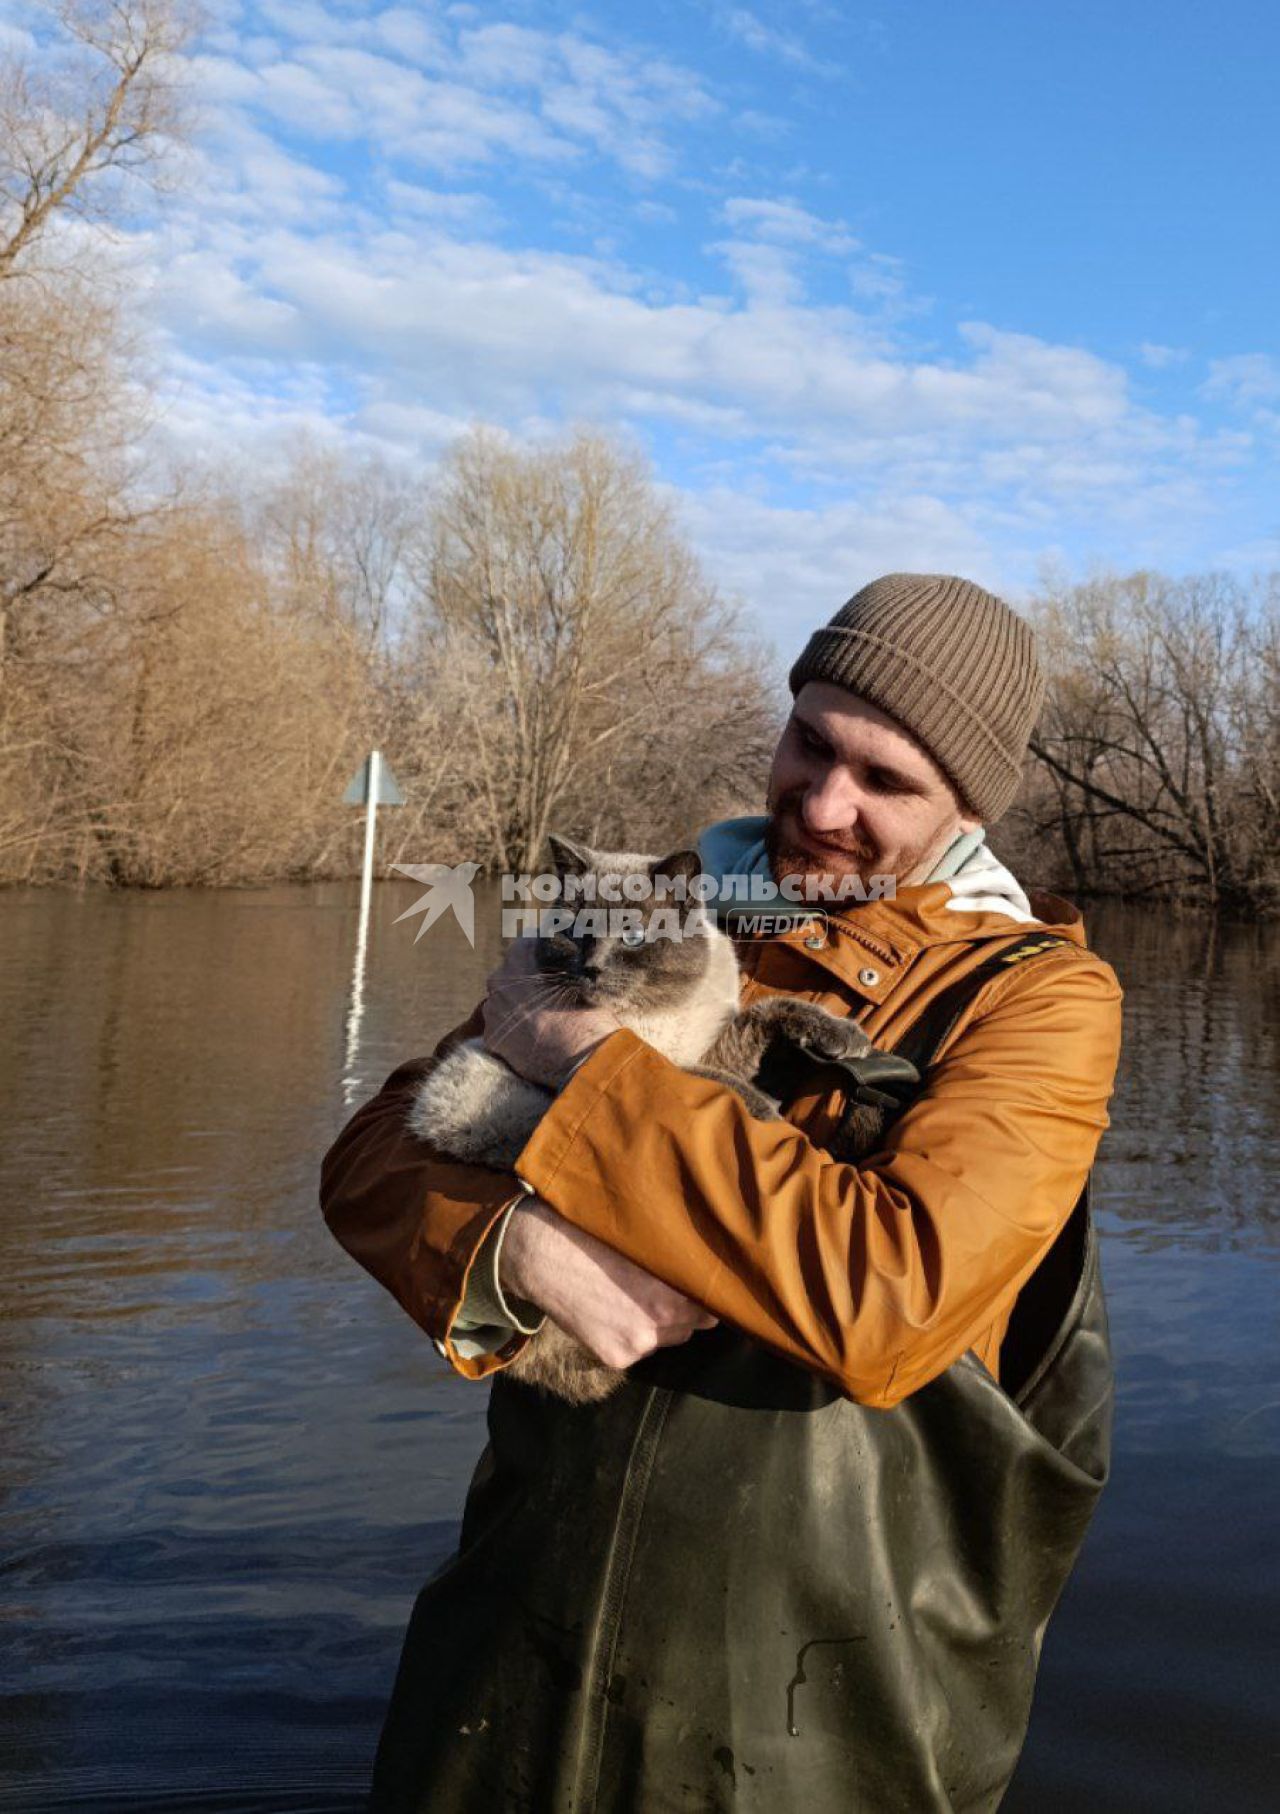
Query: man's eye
{"points": [[811, 740]]}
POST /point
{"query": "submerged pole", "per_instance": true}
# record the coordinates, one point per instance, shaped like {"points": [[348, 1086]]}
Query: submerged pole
{"points": [[370, 778], [370, 830]]}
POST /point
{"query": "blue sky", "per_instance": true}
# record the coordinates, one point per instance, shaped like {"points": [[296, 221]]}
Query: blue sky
{"points": [[977, 284]]}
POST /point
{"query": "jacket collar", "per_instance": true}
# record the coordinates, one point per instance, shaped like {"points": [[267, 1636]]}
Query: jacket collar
{"points": [[970, 895]]}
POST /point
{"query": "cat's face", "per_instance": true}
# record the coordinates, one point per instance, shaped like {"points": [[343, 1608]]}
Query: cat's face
{"points": [[596, 963]]}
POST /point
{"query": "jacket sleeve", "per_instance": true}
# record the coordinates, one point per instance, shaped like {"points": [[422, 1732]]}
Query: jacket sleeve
{"points": [[416, 1220], [878, 1275]]}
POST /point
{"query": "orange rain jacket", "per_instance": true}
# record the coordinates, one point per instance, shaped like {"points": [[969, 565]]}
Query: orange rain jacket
{"points": [[876, 1275]]}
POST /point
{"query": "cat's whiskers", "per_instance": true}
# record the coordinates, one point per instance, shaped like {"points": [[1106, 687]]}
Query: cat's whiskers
{"points": [[554, 995]]}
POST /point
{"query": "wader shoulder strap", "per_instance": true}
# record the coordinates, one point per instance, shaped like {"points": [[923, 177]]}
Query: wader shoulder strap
{"points": [[923, 1037]]}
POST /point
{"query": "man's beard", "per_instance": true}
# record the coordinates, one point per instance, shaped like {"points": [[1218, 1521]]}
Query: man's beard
{"points": [[847, 855]]}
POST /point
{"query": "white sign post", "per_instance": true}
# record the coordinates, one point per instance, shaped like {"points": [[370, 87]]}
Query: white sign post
{"points": [[372, 785]]}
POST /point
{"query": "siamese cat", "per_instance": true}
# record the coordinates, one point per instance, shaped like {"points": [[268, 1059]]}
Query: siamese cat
{"points": [[680, 995]]}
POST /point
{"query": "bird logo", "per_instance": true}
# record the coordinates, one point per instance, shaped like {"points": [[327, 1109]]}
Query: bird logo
{"points": [[447, 890]]}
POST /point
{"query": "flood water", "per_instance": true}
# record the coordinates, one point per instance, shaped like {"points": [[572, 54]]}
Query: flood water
{"points": [[230, 1460]]}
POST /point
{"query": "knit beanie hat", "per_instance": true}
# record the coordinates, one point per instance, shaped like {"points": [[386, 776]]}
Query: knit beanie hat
{"points": [[953, 664]]}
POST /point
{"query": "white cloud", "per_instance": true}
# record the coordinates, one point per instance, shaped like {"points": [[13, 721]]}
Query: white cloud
{"points": [[219, 79], [767, 274], [1161, 358], [245, 177], [450, 95], [762, 125], [1010, 424], [798, 565], [882, 278], [771, 41], [1245, 379], [502, 55], [413, 427], [217, 301], [459, 207], [1260, 555], [788, 223], [221, 415], [357, 255], [403, 30], [320, 101], [307, 19]]}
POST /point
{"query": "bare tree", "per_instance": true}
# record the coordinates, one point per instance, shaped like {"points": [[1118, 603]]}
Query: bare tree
{"points": [[79, 124], [1157, 746], [75, 131], [338, 534], [559, 602]]}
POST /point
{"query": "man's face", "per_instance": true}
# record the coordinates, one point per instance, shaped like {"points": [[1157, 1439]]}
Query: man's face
{"points": [[851, 793]]}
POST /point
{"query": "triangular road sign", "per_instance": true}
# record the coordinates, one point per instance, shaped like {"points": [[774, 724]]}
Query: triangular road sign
{"points": [[357, 793]]}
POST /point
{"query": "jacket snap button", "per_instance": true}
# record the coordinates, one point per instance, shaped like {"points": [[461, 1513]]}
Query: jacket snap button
{"points": [[868, 978], [814, 942]]}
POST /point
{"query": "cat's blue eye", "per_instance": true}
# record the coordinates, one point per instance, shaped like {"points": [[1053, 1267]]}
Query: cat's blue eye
{"points": [[634, 935]]}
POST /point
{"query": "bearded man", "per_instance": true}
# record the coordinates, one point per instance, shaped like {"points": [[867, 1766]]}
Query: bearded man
{"points": [[803, 1559]]}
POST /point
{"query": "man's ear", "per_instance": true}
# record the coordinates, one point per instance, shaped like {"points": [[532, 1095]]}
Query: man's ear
{"points": [[570, 859], [686, 863]]}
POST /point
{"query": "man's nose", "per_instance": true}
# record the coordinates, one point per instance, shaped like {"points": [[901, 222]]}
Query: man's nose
{"points": [[830, 806]]}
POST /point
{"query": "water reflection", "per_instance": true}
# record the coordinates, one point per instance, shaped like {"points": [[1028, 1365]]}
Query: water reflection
{"points": [[230, 1459], [1193, 1152]]}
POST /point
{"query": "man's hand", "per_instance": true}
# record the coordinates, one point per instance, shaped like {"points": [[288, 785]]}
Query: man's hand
{"points": [[613, 1307], [526, 1025]]}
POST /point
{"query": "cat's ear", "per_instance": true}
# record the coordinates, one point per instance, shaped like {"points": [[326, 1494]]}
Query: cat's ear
{"points": [[680, 864], [570, 859]]}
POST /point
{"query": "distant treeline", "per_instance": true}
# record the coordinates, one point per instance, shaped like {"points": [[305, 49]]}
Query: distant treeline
{"points": [[528, 642], [190, 670]]}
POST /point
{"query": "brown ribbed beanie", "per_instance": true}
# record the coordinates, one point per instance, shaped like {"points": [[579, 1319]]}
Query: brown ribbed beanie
{"points": [[952, 663]]}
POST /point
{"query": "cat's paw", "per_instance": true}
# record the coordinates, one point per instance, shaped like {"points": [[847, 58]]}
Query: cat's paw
{"points": [[827, 1036]]}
